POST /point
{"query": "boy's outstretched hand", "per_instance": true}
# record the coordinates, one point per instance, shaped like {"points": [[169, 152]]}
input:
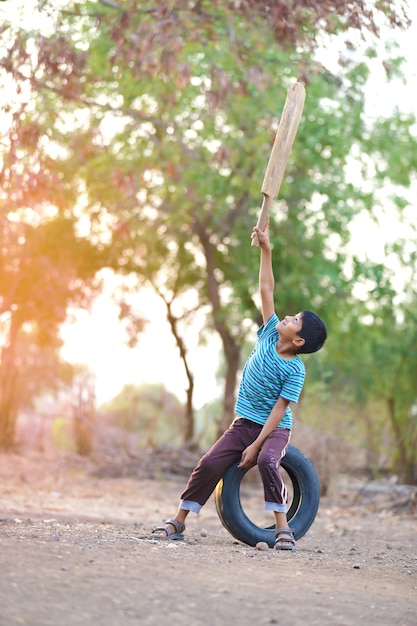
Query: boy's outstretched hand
{"points": [[263, 236]]}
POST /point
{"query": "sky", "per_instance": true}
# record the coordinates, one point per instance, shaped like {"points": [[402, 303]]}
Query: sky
{"points": [[96, 339]]}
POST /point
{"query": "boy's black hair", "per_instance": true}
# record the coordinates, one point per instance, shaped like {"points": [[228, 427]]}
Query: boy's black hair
{"points": [[313, 331]]}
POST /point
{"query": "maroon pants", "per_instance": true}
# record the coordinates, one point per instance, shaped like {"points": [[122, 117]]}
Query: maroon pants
{"points": [[227, 451]]}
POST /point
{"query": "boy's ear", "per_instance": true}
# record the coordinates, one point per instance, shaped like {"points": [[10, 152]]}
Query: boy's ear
{"points": [[298, 342]]}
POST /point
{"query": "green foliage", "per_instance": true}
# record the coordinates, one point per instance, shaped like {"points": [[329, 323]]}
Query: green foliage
{"points": [[207, 422], [62, 434], [45, 268], [152, 125], [150, 410]]}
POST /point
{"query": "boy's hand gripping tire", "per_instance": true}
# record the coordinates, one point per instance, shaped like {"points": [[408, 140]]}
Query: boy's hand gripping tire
{"points": [[302, 509]]}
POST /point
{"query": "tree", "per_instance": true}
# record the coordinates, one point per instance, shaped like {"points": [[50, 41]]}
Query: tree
{"points": [[83, 411], [149, 410], [44, 269], [169, 116], [205, 175]]}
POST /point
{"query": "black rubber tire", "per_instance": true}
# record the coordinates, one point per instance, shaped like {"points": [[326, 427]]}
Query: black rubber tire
{"points": [[302, 509]]}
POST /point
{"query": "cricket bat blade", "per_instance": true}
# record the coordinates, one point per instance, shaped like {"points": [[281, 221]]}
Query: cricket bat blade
{"points": [[284, 139]]}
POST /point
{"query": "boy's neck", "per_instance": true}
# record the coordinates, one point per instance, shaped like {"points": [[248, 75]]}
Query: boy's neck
{"points": [[285, 350]]}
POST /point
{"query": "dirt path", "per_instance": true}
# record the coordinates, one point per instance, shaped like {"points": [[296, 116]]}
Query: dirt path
{"points": [[70, 554]]}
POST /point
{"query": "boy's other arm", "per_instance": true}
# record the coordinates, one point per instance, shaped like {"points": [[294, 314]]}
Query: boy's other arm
{"points": [[266, 275]]}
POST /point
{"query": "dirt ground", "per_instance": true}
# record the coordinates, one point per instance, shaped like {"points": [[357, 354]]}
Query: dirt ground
{"points": [[71, 553]]}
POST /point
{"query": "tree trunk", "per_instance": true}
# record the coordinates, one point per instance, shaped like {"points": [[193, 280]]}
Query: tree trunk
{"points": [[231, 347], [8, 384], [404, 466], [232, 353], [188, 431], [83, 407]]}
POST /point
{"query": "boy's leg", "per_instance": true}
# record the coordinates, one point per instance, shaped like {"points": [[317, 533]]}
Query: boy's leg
{"points": [[211, 468], [269, 459], [275, 490], [214, 464]]}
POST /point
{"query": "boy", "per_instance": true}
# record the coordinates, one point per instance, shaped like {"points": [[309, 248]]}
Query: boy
{"points": [[272, 378]]}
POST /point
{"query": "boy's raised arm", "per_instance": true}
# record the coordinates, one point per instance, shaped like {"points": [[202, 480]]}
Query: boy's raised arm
{"points": [[266, 275]]}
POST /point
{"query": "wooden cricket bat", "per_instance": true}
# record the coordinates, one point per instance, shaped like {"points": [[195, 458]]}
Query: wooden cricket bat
{"points": [[284, 139]]}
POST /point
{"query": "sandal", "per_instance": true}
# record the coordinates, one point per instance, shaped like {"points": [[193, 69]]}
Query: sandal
{"points": [[282, 543], [172, 534]]}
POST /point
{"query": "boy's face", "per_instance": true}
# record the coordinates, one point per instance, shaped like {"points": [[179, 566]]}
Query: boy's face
{"points": [[289, 327]]}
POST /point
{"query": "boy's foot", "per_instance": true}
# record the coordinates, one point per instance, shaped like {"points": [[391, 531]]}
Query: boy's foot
{"points": [[284, 539], [171, 530]]}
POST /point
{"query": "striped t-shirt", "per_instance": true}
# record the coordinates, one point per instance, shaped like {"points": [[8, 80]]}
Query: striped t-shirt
{"points": [[267, 376]]}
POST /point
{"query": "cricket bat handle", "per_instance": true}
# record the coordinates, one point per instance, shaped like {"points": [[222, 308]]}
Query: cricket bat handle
{"points": [[262, 218]]}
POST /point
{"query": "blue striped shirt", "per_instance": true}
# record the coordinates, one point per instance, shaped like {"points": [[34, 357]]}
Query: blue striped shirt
{"points": [[267, 376]]}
